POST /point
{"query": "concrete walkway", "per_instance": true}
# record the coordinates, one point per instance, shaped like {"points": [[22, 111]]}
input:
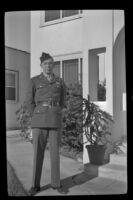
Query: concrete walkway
{"points": [[76, 178]]}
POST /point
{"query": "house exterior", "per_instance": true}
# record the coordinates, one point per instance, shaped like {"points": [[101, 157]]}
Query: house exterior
{"points": [[88, 46], [17, 76], [17, 62]]}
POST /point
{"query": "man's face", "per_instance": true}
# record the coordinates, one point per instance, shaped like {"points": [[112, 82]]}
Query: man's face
{"points": [[47, 66]]}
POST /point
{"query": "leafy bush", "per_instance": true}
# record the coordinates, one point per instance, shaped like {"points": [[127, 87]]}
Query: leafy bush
{"points": [[72, 118], [24, 118]]}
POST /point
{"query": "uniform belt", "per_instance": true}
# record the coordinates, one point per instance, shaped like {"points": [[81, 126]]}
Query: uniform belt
{"points": [[49, 103]]}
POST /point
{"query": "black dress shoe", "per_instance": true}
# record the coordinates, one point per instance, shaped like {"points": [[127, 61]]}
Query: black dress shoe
{"points": [[59, 189], [33, 191]]}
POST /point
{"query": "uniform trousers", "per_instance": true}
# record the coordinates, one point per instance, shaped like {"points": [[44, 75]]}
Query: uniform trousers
{"points": [[40, 137]]}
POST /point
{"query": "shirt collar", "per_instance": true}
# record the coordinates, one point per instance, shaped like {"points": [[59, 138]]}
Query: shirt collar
{"points": [[44, 76]]}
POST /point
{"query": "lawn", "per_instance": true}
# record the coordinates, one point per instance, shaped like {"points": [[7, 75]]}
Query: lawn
{"points": [[15, 188]]}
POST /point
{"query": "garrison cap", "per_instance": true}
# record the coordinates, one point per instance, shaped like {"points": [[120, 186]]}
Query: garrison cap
{"points": [[45, 56]]}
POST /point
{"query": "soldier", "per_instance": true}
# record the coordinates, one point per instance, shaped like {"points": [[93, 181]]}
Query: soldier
{"points": [[45, 101]]}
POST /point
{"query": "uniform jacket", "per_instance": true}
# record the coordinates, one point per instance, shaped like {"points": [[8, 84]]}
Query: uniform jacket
{"points": [[41, 90]]}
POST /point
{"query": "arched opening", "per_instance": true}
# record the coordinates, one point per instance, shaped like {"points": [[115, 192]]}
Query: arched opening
{"points": [[119, 86]]}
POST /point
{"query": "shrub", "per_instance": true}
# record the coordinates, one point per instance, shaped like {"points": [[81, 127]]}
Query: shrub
{"points": [[24, 118], [72, 118]]}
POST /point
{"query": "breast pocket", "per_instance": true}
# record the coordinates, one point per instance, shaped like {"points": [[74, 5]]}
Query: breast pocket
{"points": [[56, 88], [41, 86]]}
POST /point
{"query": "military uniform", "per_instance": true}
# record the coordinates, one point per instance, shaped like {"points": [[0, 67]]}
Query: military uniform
{"points": [[45, 100], [42, 93]]}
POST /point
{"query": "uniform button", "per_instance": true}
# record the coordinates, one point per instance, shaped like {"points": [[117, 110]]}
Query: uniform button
{"points": [[40, 85], [38, 111]]}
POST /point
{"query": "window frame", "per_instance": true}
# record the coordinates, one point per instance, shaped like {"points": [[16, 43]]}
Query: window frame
{"points": [[16, 85], [60, 20], [71, 56], [98, 51]]}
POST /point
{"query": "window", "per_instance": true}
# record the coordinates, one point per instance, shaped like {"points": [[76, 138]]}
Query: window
{"points": [[56, 69], [67, 13], [69, 67], [11, 85], [52, 15], [70, 71], [97, 78], [55, 16]]}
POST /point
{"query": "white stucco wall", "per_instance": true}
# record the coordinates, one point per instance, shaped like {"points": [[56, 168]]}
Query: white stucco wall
{"points": [[57, 39], [97, 33], [119, 78], [119, 22]]}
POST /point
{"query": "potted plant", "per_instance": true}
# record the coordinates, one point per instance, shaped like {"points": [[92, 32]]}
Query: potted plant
{"points": [[96, 130]]}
